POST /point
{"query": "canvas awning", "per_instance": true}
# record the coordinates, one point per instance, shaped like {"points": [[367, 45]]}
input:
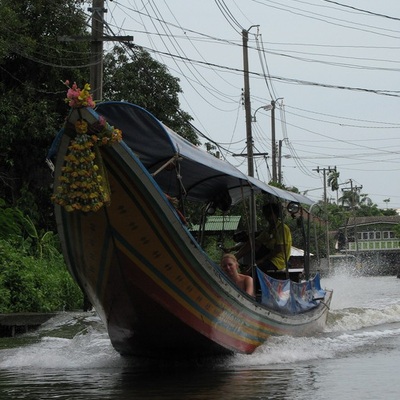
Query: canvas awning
{"points": [[201, 175]]}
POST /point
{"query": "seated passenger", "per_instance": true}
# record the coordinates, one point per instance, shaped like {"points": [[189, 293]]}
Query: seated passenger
{"points": [[272, 245], [230, 266]]}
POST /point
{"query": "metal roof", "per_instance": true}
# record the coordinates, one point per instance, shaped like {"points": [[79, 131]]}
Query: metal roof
{"points": [[218, 223], [379, 219]]}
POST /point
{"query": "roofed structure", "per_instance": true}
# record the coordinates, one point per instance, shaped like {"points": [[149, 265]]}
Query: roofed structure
{"points": [[219, 223], [377, 219]]}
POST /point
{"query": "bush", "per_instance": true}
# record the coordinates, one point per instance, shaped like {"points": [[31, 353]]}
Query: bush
{"points": [[31, 284]]}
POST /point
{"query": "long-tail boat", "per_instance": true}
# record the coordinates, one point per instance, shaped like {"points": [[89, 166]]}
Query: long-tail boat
{"points": [[118, 174]]}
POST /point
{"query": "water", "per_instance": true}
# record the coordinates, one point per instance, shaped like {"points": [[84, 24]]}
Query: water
{"points": [[357, 357]]}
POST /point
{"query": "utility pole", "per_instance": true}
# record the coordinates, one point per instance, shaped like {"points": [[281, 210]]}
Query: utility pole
{"points": [[249, 139], [96, 50], [273, 152], [275, 177], [247, 105], [280, 162], [325, 171], [354, 195]]}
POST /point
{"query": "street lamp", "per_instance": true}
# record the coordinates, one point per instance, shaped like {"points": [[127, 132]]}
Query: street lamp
{"points": [[272, 108], [266, 108]]}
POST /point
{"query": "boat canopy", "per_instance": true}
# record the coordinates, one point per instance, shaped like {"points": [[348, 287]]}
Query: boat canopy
{"points": [[179, 167]]}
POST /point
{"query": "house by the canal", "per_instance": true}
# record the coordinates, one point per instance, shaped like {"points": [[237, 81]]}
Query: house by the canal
{"points": [[372, 242]]}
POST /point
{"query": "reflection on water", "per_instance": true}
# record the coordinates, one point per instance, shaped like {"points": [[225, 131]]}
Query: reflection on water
{"points": [[132, 383], [71, 357]]}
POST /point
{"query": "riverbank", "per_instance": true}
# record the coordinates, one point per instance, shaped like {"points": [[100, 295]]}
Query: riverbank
{"points": [[19, 323]]}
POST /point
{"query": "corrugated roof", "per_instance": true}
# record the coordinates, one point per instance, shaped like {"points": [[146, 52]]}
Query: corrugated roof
{"points": [[381, 219], [218, 223]]}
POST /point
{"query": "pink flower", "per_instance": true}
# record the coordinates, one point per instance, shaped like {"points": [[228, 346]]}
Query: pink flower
{"points": [[79, 98]]}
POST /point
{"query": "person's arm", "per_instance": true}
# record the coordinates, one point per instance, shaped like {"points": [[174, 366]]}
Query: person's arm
{"points": [[249, 285]]}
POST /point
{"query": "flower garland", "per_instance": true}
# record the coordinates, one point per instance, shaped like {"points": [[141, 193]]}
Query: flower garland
{"points": [[83, 180], [79, 98]]}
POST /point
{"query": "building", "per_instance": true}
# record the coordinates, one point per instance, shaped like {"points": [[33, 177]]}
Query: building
{"points": [[373, 242], [216, 224]]}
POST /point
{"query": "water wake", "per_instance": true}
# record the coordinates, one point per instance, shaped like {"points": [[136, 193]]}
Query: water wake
{"points": [[355, 321]]}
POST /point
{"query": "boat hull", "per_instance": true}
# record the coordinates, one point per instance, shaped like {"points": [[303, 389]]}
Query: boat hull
{"points": [[157, 292]]}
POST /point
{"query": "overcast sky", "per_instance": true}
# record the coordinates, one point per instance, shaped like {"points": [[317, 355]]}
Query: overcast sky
{"points": [[334, 66]]}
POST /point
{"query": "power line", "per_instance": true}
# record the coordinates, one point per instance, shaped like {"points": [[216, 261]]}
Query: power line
{"points": [[316, 16], [362, 10], [232, 21], [383, 92]]}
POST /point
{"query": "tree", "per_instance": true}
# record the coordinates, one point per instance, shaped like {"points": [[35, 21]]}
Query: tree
{"points": [[333, 178], [141, 80], [33, 64], [349, 199], [33, 61]]}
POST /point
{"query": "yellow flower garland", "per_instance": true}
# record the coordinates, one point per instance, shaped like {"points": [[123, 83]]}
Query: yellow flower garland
{"points": [[83, 181]]}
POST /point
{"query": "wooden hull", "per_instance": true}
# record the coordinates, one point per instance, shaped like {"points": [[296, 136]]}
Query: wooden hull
{"points": [[157, 292]]}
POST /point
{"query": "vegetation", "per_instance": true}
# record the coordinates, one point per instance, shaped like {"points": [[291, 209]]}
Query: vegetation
{"points": [[34, 63], [144, 81], [31, 284], [33, 275]]}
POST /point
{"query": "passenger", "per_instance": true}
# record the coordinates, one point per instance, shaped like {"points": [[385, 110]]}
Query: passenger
{"points": [[273, 245], [230, 266]]}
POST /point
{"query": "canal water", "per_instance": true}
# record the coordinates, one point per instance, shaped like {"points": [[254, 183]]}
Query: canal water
{"points": [[357, 357]]}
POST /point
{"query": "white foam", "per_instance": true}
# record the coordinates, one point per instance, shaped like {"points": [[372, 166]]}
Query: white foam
{"points": [[365, 310], [88, 349], [286, 350]]}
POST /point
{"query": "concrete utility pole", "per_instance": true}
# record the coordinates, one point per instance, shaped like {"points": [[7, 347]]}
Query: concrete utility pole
{"points": [[280, 162], [247, 104], [253, 119], [96, 50], [96, 56], [273, 152], [325, 171], [276, 166], [275, 176], [250, 156], [354, 200]]}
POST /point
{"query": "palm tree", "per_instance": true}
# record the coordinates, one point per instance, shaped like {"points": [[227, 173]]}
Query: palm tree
{"points": [[350, 199], [333, 179], [365, 200]]}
